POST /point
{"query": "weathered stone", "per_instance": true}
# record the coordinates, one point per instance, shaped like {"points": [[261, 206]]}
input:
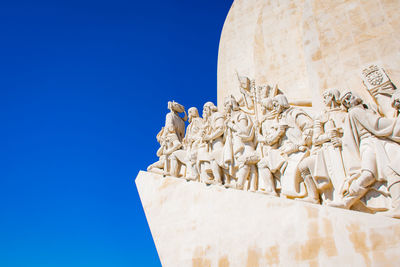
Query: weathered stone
{"points": [[197, 225], [308, 46]]}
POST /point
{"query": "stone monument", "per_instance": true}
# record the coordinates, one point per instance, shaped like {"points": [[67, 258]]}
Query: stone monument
{"points": [[298, 164]]}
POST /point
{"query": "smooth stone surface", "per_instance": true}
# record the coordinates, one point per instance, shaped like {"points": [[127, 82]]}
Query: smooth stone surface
{"points": [[197, 225], [307, 46]]}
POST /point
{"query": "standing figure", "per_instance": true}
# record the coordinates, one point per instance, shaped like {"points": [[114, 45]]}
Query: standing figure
{"points": [[170, 138], [293, 135], [372, 153], [211, 145], [239, 151], [188, 155], [267, 149], [246, 100], [323, 171]]}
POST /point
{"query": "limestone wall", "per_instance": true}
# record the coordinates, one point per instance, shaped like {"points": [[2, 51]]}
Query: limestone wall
{"points": [[197, 225], [307, 46]]}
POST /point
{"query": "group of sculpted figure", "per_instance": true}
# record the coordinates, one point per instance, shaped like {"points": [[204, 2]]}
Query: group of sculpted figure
{"points": [[348, 156]]}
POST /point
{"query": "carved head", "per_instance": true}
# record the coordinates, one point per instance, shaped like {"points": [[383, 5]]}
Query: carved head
{"points": [[350, 100], [208, 109], [244, 82], [331, 96], [175, 107], [280, 103], [193, 113], [396, 100], [230, 104], [264, 91], [267, 103]]}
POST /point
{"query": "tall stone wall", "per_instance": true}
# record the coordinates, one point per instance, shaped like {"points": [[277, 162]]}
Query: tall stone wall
{"points": [[200, 226], [307, 46]]}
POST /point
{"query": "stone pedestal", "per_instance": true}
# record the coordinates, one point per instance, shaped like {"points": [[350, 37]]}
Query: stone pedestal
{"points": [[197, 225]]}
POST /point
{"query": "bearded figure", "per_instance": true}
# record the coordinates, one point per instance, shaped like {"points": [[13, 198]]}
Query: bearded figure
{"points": [[240, 157], [372, 153], [191, 143], [209, 158], [291, 135], [323, 171]]}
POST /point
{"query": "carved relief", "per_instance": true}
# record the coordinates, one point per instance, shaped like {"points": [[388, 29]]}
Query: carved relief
{"points": [[346, 156], [380, 87]]}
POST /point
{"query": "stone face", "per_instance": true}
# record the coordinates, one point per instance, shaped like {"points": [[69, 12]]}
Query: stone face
{"points": [[197, 225], [308, 46]]}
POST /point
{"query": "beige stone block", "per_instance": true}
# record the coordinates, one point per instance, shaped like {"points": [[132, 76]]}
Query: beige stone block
{"points": [[280, 41], [392, 67], [367, 51], [356, 17], [395, 26], [197, 225], [344, 38], [387, 46], [390, 8], [350, 58]]}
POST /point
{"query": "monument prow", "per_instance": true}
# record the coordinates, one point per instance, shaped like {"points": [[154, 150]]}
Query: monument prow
{"points": [[193, 224], [327, 137]]}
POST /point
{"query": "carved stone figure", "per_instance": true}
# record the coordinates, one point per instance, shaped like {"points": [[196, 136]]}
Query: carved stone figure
{"points": [[294, 133], [246, 101], [262, 143], [170, 138], [211, 145], [268, 149], [372, 152], [191, 142], [323, 171], [380, 87], [239, 151]]}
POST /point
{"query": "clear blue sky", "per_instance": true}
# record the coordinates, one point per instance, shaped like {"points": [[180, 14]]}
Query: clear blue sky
{"points": [[84, 90]]}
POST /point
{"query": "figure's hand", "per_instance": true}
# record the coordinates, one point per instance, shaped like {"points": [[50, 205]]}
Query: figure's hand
{"points": [[170, 129], [332, 134], [281, 128], [307, 137], [284, 150], [354, 187], [289, 149], [336, 142], [302, 148], [261, 139], [231, 126], [345, 188]]}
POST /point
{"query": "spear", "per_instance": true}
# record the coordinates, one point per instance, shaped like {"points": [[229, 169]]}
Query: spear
{"points": [[258, 123]]}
